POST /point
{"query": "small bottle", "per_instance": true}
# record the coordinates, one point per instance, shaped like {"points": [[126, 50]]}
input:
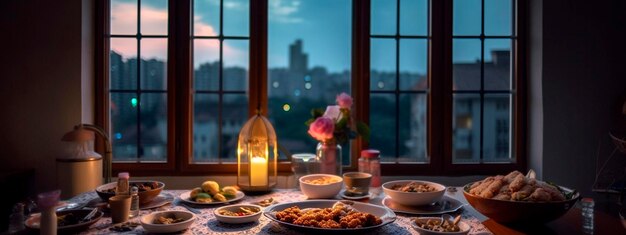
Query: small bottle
{"points": [[369, 162], [122, 184], [47, 203], [587, 205], [16, 220], [134, 202]]}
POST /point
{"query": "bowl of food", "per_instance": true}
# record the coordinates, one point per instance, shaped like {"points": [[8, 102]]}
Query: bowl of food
{"points": [[518, 199], [68, 221], [238, 214], [148, 190], [167, 221], [414, 192], [435, 226], [320, 185]]}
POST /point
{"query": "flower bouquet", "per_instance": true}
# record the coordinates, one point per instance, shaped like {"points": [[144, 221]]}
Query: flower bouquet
{"points": [[333, 128]]}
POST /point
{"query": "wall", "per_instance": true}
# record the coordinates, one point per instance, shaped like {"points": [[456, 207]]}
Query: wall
{"points": [[582, 85], [43, 64]]}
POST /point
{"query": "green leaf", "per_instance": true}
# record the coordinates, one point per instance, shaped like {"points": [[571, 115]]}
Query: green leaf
{"points": [[308, 122], [363, 130], [341, 124], [317, 113]]}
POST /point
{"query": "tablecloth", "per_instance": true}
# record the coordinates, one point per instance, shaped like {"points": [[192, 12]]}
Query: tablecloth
{"points": [[207, 224]]}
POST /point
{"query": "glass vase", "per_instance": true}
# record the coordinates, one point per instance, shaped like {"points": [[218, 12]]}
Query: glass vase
{"points": [[329, 157]]}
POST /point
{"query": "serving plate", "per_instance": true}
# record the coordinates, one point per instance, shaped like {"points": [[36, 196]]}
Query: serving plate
{"points": [[445, 205], [386, 215], [159, 201], [187, 199]]}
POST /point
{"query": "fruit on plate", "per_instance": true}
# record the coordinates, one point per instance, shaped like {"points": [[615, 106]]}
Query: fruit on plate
{"points": [[210, 191]]}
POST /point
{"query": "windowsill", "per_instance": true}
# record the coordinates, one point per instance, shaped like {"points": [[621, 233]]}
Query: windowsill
{"points": [[288, 181]]}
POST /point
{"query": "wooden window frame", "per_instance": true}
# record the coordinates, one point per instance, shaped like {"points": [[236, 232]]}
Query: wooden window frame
{"points": [[180, 105]]}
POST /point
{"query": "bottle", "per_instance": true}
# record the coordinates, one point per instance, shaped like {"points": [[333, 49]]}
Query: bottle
{"points": [[122, 184], [47, 203], [134, 202], [16, 220], [587, 205], [369, 162]]}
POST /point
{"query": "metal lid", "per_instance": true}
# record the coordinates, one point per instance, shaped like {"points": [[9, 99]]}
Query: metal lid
{"points": [[370, 153]]}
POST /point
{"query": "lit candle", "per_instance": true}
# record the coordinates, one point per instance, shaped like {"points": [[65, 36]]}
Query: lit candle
{"points": [[258, 171]]}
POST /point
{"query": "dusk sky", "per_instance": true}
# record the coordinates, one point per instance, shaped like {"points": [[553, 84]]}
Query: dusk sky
{"points": [[323, 25]]}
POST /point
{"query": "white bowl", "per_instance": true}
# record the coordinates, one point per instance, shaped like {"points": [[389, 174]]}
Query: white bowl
{"points": [[320, 190], [413, 198], [147, 221], [237, 219], [463, 227]]}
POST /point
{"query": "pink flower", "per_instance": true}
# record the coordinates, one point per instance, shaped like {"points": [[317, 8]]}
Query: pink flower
{"points": [[333, 112], [322, 129], [344, 100]]}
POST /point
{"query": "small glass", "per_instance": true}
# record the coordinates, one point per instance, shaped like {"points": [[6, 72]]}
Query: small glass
{"points": [[304, 164]]}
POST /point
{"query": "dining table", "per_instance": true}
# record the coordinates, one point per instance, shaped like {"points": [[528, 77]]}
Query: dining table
{"points": [[205, 223]]}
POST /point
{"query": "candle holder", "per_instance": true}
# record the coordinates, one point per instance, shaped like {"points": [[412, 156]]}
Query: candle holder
{"points": [[257, 156]]}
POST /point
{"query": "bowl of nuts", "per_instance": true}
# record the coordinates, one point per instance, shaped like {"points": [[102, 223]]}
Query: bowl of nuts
{"points": [[438, 226]]}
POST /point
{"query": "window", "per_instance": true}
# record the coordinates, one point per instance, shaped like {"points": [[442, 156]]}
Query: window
{"points": [[439, 82]]}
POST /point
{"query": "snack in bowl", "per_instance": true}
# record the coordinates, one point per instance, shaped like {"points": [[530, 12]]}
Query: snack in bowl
{"points": [[238, 214], [320, 185], [167, 221], [148, 190], [433, 225], [210, 191], [515, 198], [414, 192]]}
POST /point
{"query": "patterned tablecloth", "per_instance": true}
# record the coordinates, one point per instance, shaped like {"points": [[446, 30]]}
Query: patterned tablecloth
{"points": [[207, 224]]}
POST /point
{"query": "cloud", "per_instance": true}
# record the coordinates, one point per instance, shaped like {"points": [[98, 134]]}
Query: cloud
{"points": [[283, 12], [154, 22]]}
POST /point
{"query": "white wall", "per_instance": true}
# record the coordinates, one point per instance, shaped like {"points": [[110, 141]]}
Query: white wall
{"points": [[42, 66]]}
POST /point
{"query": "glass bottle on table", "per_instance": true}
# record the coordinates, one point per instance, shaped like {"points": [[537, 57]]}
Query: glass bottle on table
{"points": [[122, 184], [369, 162], [134, 202], [47, 203], [586, 209]]}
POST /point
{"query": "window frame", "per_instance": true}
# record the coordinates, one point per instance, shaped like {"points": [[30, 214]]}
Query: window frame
{"points": [[180, 93]]}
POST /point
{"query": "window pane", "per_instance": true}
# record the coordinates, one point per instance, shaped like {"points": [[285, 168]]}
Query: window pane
{"points": [[154, 17], [466, 128], [235, 114], [236, 17], [383, 17], [205, 128], [466, 17], [497, 141], [206, 17], [236, 65], [123, 17], [153, 64], [383, 125], [413, 64], [497, 64], [309, 57], [206, 56], [414, 17], [413, 131], [498, 17], [124, 126], [383, 64], [466, 64], [123, 62], [153, 127]]}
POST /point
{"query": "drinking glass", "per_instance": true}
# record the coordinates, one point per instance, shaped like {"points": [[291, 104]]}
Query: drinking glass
{"points": [[303, 164]]}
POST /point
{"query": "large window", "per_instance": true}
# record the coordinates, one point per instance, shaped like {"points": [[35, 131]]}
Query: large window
{"points": [[439, 82]]}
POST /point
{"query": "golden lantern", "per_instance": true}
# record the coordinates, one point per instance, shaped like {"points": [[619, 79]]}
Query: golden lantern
{"points": [[257, 155]]}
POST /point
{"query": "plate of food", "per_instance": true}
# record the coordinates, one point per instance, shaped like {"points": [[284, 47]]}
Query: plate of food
{"points": [[68, 221], [343, 215], [210, 193], [445, 205], [516, 198]]}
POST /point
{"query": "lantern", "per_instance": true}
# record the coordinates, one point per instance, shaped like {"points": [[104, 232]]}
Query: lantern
{"points": [[257, 155]]}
